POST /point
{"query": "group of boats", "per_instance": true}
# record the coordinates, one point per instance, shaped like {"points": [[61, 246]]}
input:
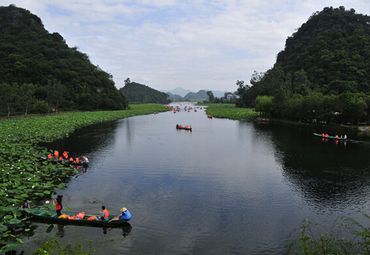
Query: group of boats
{"points": [[65, 158], [336, 137]]}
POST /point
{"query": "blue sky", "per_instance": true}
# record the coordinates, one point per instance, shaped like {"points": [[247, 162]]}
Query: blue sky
{"points": [[194, 44]]}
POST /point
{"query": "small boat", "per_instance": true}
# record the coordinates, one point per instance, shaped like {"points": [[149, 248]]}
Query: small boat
{"points": [[187, 127], [50, 217], [330, 137]]}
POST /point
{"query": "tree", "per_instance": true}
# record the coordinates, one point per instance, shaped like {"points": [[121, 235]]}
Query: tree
{"points": [[127, 81], [211, 97], [264, 105]]}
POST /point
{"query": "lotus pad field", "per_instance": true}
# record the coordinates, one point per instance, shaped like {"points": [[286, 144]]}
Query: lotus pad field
{"points": [[25, 175], [229, 111]]}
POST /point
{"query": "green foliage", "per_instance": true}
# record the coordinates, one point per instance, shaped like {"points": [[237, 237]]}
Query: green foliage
{"points": [[54, 247], [38, 66], [264, 104], [229, 111], [139, 93], [25, 174], [327, 57], [350, 237]]}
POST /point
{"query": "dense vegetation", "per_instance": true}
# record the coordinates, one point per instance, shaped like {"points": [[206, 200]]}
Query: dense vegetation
{"points": [[322, 75], [229, 111], [139, 93], [40, 73], [25, 175]]}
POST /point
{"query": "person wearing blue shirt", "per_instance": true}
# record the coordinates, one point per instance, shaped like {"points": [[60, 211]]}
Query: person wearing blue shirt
{"points": [[125, 214]]}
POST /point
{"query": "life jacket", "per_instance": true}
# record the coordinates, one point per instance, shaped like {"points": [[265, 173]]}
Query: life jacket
{"points": [[105, 213], [63, 216], [80, 215], [58, 207], [56, 154], [50, 156], [92, 217]]}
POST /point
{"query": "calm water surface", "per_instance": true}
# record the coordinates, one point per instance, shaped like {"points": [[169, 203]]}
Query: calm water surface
{"points": [[229, 187]]}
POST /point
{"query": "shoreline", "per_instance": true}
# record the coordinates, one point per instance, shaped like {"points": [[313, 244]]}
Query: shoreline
{"points": [[25, 175]]}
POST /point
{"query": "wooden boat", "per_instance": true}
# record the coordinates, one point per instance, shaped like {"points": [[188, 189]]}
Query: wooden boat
{"points": [[189, 128], [50, 217], [330, 137]]}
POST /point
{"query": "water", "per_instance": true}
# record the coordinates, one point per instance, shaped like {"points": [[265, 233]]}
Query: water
{"points": [[228, 187]]}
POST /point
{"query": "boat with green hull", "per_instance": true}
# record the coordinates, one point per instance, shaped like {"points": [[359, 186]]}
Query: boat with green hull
{"points": [[50, 217]]}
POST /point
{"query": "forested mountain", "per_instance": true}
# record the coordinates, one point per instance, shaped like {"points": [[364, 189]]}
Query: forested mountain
{"points": [[40, 73], [201, 95], [139, 93], [175, 97], [323, 74]]}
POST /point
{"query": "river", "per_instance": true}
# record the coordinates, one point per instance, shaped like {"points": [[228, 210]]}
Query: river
{"points": [[228, 187]]}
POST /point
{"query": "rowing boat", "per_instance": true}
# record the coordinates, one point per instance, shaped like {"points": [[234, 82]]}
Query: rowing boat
{"points": [[50, 217], [330, 137]]}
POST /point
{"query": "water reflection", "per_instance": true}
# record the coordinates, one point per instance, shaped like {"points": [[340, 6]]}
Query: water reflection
{"points": [[227, 187]]}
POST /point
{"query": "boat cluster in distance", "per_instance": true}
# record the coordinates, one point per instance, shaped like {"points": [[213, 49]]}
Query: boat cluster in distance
{"points": [[186, 108], [67, 159]]}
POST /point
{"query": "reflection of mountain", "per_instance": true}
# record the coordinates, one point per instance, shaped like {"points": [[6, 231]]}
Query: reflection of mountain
{"points": [[323, 171]]}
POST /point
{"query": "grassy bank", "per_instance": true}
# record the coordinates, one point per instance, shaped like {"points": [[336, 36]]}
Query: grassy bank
{"points": [[229, 111], [24, 175]]}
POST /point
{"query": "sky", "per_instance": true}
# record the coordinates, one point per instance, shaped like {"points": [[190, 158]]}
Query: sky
{"points": [[193, 44]]}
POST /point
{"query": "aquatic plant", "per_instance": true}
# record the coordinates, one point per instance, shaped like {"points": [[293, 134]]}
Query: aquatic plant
{"points": [[229, 111], [54, 247], [24, 172]]}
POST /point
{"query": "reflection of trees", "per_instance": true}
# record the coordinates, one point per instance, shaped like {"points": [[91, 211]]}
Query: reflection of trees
{"points": [[87, 139], [324, 171]]}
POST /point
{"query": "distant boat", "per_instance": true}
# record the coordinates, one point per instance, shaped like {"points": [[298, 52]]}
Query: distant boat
{"points": [[187, 127]]}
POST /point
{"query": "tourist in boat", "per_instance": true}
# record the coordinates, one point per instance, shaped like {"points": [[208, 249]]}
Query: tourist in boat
{"points": [[125, 214], [65, 154], [26, 205], [104, 213], [58, 205]]}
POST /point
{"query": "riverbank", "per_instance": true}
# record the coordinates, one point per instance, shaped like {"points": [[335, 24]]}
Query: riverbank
{"points": [[25, 175], [229, 111]]}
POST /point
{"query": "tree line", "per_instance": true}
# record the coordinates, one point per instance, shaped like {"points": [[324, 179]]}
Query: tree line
{"points": [[321, 75]]}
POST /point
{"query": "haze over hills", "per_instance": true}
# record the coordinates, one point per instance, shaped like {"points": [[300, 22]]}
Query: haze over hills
{"points": [[178, 93]]}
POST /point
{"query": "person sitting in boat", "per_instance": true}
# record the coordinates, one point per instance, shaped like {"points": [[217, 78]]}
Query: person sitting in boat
{"points": [[125, 214], [104, 213], [58, 205], [84, 161]]}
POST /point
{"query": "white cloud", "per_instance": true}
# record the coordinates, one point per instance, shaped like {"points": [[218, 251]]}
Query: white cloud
{"points": [[168, 43]]}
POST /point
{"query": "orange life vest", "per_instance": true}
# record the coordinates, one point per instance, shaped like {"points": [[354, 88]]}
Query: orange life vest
{"points": [[105, 213]]}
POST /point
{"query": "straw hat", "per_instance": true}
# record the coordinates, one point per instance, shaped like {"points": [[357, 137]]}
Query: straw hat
{"points": [[123, 209]]}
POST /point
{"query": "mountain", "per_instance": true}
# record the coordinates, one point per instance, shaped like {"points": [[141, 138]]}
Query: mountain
{"points": [[175, 97], [324, 69], [139, 93], [201, 95], [57, 77], [179, 91]]}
